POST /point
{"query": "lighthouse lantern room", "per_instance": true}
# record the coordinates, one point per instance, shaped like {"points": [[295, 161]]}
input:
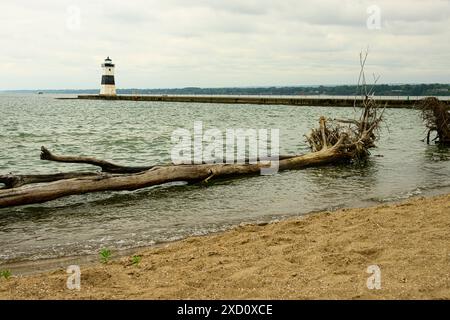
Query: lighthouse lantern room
{"points": [[108, 87]]}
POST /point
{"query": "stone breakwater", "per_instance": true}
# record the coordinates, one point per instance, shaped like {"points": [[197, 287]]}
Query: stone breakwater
{"points": [[299, 101]]}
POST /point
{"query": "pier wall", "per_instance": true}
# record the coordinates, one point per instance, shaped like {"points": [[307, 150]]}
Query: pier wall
{"points": [[298, 101]]}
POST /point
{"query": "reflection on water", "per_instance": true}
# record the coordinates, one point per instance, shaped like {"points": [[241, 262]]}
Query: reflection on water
{"points": [[139, 133]]}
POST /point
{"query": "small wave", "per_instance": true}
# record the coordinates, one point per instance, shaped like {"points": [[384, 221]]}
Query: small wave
{"points": [[398, 197], [422, 191]]}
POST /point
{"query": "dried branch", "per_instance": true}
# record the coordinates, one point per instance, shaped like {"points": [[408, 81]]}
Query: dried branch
{"points": [[104, 165], [436, 117], [352, 138]]}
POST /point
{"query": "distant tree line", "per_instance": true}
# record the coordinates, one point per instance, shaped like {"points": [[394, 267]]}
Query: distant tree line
{"points": [[344, 90]]}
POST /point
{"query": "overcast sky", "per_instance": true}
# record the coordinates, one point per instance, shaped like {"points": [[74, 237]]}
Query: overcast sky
{"points": [[210, 43]]}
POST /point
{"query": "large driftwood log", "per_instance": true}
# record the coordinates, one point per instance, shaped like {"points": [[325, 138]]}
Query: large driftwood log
{"points": [[14, 181], [158, 175]]}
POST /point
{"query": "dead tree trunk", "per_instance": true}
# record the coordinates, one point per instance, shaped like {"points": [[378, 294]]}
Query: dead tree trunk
{"points": [[14, 181], [158, 175]]}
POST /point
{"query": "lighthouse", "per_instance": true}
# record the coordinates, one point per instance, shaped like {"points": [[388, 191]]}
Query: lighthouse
{"points": [[108, 85]]}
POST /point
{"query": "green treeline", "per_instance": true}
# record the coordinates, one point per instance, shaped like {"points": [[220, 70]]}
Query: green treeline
{"points": [[338, 90], [345, 90]]}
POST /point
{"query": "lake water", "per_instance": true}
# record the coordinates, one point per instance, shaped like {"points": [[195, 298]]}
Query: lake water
{"points": [[138, 133]]}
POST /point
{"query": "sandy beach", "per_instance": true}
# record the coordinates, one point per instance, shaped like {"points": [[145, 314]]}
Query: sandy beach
{"points": [[319, 256]]}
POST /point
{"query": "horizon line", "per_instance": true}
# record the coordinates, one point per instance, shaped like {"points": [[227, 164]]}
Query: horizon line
{"points": [[229, 87]]}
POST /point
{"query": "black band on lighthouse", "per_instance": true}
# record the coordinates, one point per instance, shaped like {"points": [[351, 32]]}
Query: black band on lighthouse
{"points": [[108, 80]]}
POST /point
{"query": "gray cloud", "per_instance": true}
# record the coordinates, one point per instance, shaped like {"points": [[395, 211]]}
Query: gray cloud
{"points": [[220, 43]]}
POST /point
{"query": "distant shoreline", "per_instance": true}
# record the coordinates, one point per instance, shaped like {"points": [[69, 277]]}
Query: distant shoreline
{"points": [[321, 255], [393, 90]]}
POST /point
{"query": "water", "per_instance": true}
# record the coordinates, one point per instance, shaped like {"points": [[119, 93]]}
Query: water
{"points": [[138, 133]]}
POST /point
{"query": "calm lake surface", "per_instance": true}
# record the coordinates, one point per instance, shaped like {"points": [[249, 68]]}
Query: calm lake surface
{"points": [[138, 133]]}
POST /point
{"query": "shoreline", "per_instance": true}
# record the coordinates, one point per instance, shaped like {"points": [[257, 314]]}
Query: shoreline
{"points": [[318, 255], [31, 267]]}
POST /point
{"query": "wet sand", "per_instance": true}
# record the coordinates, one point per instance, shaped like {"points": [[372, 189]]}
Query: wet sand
{"points": [[319, 256]]}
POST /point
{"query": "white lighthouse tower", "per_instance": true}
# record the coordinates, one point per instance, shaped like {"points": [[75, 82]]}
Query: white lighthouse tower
{"points": [[108, 84]]}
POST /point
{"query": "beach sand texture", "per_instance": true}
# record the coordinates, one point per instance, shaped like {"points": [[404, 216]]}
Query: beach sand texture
{"points": [[319, 256]]}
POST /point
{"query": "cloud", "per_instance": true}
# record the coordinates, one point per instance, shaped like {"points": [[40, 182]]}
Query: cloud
{"points": [[173, 43]]}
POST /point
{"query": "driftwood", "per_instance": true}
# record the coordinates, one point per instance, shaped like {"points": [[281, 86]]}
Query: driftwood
{"points": [[436, 116], [155, 176], [334, 141], [104, 165], [14, 181]]}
